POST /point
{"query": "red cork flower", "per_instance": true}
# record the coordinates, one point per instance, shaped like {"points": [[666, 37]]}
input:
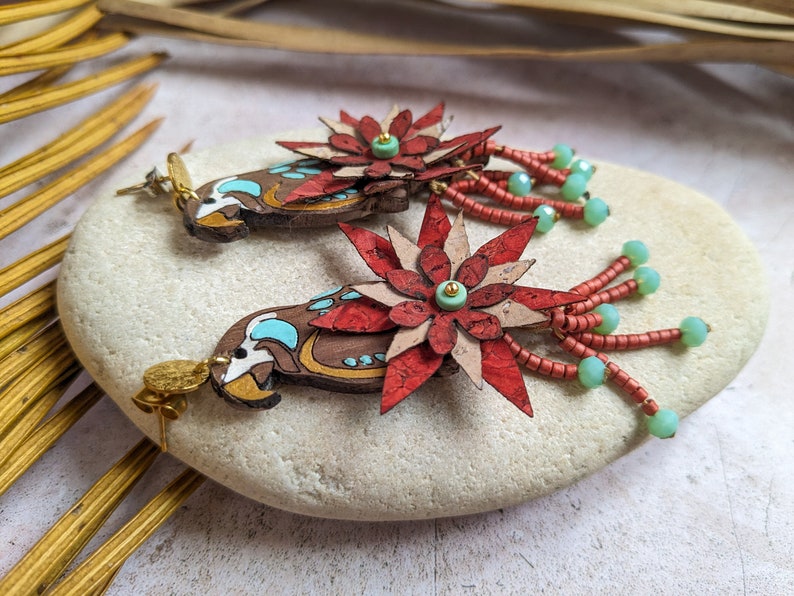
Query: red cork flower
{"points": [[443, 300], [389, 153]]}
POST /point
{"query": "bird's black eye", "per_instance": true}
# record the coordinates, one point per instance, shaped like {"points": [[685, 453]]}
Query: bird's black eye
{"points": [[209, 201], [240, 353]]}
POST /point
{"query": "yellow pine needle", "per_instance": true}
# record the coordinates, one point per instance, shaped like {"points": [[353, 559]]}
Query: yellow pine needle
{"points": [[48, 558], [22, 11], [10, 342], [37, 303], [28, 208], [22, 394], [55, 96], [98, 568], [26, 268], [57, 35], [36, 84], [23, 358], [76, 142], [15, 437], [66, 55]]}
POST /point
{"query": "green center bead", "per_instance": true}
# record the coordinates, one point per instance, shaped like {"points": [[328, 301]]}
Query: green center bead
{"points": [[451, 295], [385, 146]]}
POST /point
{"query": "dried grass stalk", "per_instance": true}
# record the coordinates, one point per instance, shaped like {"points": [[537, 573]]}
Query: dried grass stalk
{"points": [[43, 563], [86, 50], [13, 340], [55, 36], [76, 142], [56, 96], [26, 357], [28, 208], [23, 11], [25, 269], [14, 462], [36, 84], [99, 568]]}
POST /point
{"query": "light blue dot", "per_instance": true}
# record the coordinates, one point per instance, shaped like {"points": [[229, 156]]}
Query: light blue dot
{"points": [[350, 362], [308, 171], [321, 304], [380, 356], [293, 176], [352, 295], [365, 360], [278, 170], [326, 293]]}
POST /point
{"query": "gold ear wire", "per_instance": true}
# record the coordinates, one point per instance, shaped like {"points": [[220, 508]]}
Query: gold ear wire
{"points": [[178, 177]]}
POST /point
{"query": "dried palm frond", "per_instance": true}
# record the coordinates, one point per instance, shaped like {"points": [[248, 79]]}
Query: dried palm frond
{"points": [[761, 32]]}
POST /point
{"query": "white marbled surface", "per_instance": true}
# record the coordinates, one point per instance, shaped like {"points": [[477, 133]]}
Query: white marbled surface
{"points": [[710, 512]]}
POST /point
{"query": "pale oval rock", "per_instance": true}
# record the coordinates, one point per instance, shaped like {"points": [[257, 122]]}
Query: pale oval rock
{"points": [[136, 290]]}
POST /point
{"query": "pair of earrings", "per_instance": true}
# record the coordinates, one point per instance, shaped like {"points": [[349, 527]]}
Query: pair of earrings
{"points": [[438, 306]]}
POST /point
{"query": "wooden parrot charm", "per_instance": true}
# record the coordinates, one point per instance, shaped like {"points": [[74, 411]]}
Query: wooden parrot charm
{"points": [[438, 307], [367, 167]]}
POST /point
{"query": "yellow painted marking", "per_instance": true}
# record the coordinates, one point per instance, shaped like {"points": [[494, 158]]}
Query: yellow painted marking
{"points": [[245, 388], [307, 359], [217, 220], [270, 199]]}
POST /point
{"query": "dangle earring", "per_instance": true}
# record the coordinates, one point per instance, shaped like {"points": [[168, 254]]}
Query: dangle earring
{"points": [[368, 167], [437, 308]]}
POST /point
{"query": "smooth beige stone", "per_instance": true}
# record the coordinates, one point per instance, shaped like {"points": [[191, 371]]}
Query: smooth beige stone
{"points": [[136, 290]]}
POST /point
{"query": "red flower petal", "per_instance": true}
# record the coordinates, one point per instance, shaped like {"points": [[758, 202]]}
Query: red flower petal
{"points": [[377, 252], [409, 283], [411, 313], [479, 324], [489, 295], [541, 299], [317, 186], [418, 145], [432, 118], [350, 160], [409, 161], [435, 225], [406, 372], [499, 369], [443, 335], [346, 143], [369, 129], [472, 271], [298, 145], [435, 264], [357, 316], [463, 143], [437, 172], [346, 118], [401, 123], [378, 169], [509, 245]]}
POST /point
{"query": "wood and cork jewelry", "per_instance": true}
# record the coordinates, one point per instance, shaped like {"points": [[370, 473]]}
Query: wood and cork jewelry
{"points": [[437, 308], [367, 167]]}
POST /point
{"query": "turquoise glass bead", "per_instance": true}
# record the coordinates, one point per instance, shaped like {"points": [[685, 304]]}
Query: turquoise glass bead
{"points": [[583, 167], [591, 372], [693, 331], [385, 146], [451, 295], [636, 252], [547, 217], [647, 279], [663, 424], [573, 187], [519, 184], [595, 211], [610, 316], [563, 155]]}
